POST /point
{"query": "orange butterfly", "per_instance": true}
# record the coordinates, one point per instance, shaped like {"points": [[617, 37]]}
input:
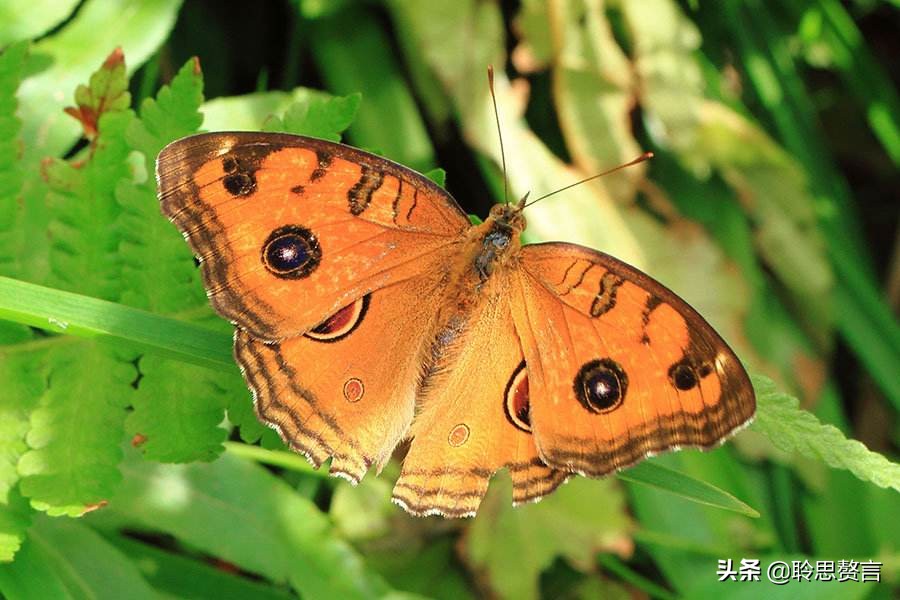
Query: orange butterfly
{"points": [[369, 311]]}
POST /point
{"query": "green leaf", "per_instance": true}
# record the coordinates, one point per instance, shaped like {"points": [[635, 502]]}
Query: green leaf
{"points": [[76, 429], [177, 408], [177, 411], [791, 429], [20, 372], [23, 374], [183, 577], [511, 546], [84, 252], [15, 517], [242, 415], [317, 114], [106, 92], [248, 112], [276, 458], [428, 567], [232, 508], [65, 559], [439, 176], [363, 512], [25, 19], [389, 118], [174, 113], [660, 477], [12, 64], [139, 26]]}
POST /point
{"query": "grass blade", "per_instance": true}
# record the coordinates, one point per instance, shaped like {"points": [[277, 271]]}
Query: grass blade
{"points": [[74, 314], [663, 478]]}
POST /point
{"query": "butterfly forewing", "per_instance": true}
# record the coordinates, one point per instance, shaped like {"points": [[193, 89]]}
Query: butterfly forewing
{"points": [[619, 367], [290, 229]]}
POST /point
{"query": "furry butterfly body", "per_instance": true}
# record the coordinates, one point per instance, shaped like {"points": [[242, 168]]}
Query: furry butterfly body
{"points": [[369, 311]]}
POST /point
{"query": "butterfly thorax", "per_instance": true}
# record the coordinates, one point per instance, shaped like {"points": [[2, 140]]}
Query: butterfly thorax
{"points": [[472, 284], [497, 239]]}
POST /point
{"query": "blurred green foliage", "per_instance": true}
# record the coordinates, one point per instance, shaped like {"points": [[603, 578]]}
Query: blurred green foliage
{"points": [[769, 207]]}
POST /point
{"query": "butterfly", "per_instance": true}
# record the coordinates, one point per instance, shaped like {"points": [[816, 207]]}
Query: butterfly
{"points": [[368, 310]]}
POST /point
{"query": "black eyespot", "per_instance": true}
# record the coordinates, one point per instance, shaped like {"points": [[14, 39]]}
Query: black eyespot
{"points": [[240, 184], [291, 252], [601, 385], [683, 375], [240, 179]]}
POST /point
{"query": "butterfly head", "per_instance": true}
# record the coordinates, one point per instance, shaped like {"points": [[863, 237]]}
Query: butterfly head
{"points": [[509, 216]]}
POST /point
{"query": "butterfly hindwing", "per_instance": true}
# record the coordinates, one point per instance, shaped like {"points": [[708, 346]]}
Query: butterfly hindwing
{"points": [[289, 229], [472, 418], [346, 390], [619, 367]]}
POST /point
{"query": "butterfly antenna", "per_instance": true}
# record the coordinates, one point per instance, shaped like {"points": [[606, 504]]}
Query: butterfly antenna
{"points": [[639, 159], [499, 134]]}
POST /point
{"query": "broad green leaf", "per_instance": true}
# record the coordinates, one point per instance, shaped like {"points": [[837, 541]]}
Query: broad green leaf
{"points": [[230, 509], [707, 135], [183, 577], [76, 429], [791, 429], [422, 566], [249, 111], [65, 559], [388, 119], [242, 415], [363, 512], [511, 546], [317, 115], [26, 19], [99, 26], [594, 88], [683, 536], [663, 478]]}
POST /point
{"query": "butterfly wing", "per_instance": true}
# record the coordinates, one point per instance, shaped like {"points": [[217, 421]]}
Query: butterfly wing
{"points": [[619, 367], [346, 389], [472, 417], [290, 229], [319, 253]]}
